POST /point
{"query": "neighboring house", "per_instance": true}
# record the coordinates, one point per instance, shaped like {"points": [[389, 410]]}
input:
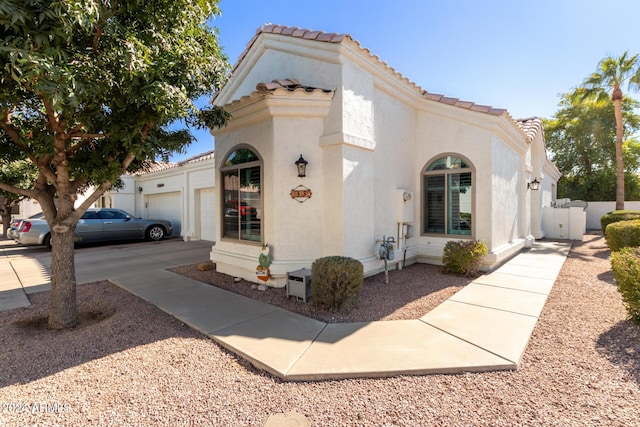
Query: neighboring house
{"points": [[385, 158], [183, 193]]}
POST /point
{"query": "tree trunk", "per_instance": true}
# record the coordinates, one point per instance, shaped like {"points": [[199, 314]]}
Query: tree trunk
{"points": [[63, 313], [617, 104], [6, 222], [6, 216]]}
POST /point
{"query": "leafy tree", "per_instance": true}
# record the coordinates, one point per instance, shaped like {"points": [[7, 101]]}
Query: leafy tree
{"points": [[581, 140], [19, 174], [87, 90], [611, 74]]}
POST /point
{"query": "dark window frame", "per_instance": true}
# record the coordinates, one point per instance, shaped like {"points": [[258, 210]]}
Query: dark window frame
{"points": [[442, 170], [246, 215]]}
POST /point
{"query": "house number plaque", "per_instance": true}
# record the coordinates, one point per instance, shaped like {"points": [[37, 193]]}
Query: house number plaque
{"points": [[301, 193]]}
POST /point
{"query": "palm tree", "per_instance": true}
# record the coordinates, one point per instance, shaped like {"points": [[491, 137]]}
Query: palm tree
{"points": [[611, 74]]}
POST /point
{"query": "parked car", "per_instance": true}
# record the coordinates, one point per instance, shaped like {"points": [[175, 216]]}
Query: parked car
{"points": [[15, 223], [244, 208], [97, 225]]}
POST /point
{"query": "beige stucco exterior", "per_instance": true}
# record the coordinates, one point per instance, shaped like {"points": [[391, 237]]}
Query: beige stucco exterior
{"points": [[367, 133]]}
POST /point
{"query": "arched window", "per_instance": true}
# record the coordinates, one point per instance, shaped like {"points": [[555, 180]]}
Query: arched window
{"points": [[242, 197], [447, 202]]}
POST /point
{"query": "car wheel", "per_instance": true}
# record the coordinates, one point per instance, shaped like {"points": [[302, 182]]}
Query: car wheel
{"points": [[47, 241], [155, 232]]}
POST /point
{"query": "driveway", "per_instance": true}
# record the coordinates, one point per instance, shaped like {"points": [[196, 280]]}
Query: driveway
{"points": [[26, 270]]}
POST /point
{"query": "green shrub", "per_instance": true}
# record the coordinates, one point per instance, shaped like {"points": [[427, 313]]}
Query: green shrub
{"points": [[463, 256], [626, 270], [336, 281], [617, 216], [623, 234]]}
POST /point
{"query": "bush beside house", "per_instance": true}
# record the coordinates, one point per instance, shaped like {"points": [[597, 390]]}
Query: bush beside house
{"points": [[336, 281], [463, 256]]}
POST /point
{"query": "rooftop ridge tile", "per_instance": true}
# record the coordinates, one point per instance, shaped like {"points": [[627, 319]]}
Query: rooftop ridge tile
{"points": [[530, 126], [290, 85], [325, 37]]}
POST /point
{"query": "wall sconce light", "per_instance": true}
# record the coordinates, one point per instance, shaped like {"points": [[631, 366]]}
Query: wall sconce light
{"points": [[534, 185], [139, 189], [301, 163], [160, 185]]}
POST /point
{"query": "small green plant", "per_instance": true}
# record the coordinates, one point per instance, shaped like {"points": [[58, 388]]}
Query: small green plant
{"points": [[336, 282], [623, 234], [617, 216], [626, 270], [463, 256]]}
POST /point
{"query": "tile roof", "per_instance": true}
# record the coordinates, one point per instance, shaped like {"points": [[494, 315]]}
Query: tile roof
{"points": [[322, 36], [198, 158], [531, 127], [456, 102], [151, 167], [293, 32], [290, 85]]}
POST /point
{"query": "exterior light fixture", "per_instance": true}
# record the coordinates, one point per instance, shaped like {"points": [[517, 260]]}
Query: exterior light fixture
{"points": [[534, 185], [301, 163], [140, 189]]}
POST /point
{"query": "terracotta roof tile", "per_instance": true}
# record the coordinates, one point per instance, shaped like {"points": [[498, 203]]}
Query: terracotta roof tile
{"points": [[299, 33], [464, 104], [198, 158], [480, 108], [311, 35], [448, 100], [151, 167], [456, 102], [325, 37], [432, 96], [286, 84], [321, 36], [287, 31], [531, 126]]}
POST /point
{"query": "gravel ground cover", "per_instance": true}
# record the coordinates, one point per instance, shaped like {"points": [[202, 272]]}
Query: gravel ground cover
{"points": [[410, 293], [131, 364]]}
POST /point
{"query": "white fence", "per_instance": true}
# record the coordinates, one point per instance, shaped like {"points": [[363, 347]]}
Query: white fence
{"points": [[596, 209]]}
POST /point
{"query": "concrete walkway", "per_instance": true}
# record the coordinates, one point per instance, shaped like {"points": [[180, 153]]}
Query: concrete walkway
{"points": [[484, 327]]}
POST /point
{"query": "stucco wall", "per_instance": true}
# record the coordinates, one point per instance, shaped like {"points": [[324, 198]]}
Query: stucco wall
{"points": [[295, 229], [275, 64], [442, 134], [505, 200], [358, 198], [395, 162], [596, 209]]}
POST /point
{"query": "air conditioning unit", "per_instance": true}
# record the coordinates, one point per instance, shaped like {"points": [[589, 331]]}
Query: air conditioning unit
{"points": [[299, 284]]}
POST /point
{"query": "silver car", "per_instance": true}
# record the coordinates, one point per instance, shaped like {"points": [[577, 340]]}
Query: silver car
{"points": [[12, 233], [97, 225]]}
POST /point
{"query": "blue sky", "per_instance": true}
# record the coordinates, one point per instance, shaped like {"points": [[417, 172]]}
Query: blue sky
{"points": [[513, 54]]}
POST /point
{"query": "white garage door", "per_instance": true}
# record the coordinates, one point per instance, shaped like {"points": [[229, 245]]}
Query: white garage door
{"points": [[167, 206], [207, 214]]}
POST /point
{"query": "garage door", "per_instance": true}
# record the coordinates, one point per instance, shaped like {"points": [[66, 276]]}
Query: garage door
{"points": [[167, 206], [207, 214]]}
